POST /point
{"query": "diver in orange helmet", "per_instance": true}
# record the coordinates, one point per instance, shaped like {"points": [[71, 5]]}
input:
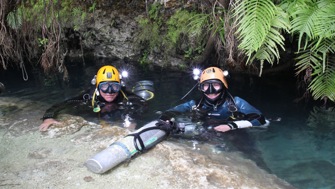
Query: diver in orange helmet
{"points": [[109, 98], [217, 107]]}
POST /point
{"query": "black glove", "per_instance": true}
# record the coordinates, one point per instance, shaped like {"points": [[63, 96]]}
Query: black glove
{"points": [[199, 114], [167, 126]]}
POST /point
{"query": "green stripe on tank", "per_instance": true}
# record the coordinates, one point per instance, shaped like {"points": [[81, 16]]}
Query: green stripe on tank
{"points": [[147, 143]]}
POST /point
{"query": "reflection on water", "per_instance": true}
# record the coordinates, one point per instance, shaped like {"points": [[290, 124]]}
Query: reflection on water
{"points": [[298, 149]]}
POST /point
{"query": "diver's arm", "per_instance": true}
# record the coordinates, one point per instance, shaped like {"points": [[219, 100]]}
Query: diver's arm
{"points": [[232, 125], [47, 123], [50, 114], [177, 110], [53, 111], [251, 117]]}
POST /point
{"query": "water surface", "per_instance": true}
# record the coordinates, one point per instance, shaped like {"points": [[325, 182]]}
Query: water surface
{"points": [[298, 148]]}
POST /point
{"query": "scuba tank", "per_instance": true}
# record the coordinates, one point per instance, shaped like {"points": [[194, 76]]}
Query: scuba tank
{"points": [[140, 140], [144, 89]]}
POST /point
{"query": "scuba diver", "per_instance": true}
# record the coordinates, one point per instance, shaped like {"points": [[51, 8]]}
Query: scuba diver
{"points": [[217, 107], [216, 110], [110, 99]]}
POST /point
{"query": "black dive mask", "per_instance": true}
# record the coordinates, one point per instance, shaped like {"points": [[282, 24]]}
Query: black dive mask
{"points": [[211, 86], [110, 87]]}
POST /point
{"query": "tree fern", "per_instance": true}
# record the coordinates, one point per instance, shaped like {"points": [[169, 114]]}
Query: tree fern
{"points": [[306, 59], [314, 23], [259, 24], [316, 20], [323, 82]]}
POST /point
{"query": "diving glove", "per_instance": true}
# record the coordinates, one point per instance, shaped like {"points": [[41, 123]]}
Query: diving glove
{"points": [[168, 126]]}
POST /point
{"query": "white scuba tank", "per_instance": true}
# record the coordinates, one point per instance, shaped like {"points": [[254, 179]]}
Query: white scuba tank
{"points": [[125, 148]]}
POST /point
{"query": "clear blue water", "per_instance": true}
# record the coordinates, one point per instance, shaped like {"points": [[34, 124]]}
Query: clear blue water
{"points": [[300, 148]]}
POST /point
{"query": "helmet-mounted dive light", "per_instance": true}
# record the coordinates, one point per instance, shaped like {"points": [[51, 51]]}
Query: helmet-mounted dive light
{"points": [[196, 73], [124, 74]]}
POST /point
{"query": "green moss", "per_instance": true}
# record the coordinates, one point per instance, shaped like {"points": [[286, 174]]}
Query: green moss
{"points": [[183, 28], [46, 12]]}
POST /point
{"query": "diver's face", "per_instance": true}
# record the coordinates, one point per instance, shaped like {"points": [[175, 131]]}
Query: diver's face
{"points": [[109, 97], [211, 88], [212, 96], [109, 90]]}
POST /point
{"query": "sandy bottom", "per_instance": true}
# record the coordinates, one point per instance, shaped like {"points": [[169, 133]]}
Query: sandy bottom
{"points": [[55, 159]]}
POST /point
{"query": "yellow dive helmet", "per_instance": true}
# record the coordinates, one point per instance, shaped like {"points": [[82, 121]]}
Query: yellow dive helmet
{"points": [[107, 73], [213, 73]]}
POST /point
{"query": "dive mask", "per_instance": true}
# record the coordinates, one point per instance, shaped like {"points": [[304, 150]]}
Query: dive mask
{"points": [[110, 87], [211, 86]]}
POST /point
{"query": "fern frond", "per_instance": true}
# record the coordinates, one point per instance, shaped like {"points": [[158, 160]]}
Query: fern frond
{"points": [[177, 25], [261, 37], [314, 20], [254, 19], [196, 24], [326, 45], [323, 82], [307, 59]]}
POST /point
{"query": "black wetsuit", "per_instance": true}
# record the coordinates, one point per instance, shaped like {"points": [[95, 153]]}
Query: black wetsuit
{"points": [[125, 104]]}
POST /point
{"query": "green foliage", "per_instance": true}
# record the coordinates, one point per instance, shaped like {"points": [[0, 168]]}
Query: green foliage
{"points": [[188, 24], [261, 22], [197, 23], [78, 18], [190, 52], [154, 11], [259, 29], [42, 42], [181, 25], [14, 19], [44, 12], [314, 23], [322, 85], [93, 7], [150, 29], [316, 20], [150, 34], [144, 58]]}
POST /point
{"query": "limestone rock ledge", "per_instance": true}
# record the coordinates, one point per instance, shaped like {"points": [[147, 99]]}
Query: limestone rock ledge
{"points": [[55, 159]]}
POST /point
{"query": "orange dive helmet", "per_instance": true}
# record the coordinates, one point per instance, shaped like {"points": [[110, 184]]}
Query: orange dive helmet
{"points": [[213, 73], [107, 73]]}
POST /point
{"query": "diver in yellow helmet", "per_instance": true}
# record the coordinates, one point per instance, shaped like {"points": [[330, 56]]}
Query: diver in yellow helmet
{"points": [[109, 98], [108, 86], [217, 108]]}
